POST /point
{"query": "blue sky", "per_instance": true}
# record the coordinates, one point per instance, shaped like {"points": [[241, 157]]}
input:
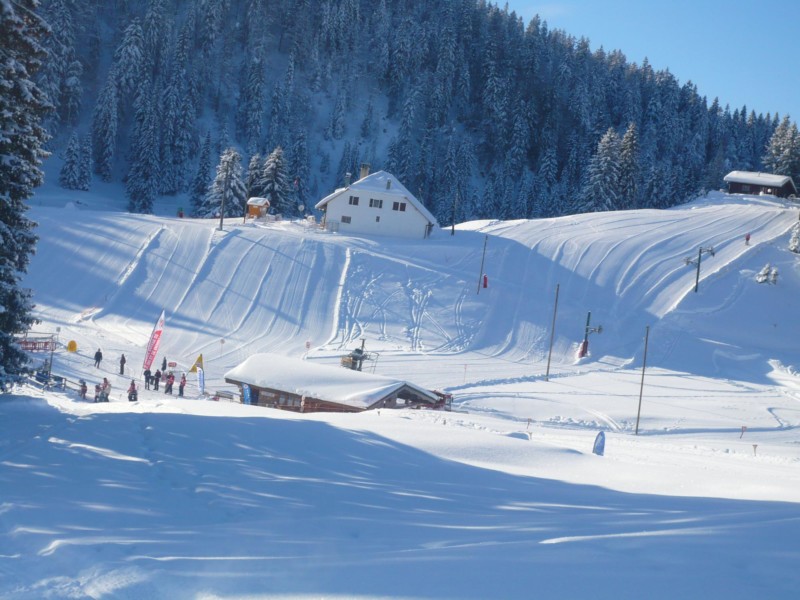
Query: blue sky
{"points": [[742, 52]]}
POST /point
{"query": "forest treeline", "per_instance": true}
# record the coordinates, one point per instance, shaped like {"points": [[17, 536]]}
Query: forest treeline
{"points": [[478, 113]]}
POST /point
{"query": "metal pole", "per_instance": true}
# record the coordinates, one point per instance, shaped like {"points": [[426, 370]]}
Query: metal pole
{"points": [[641, 385], [480, 275], [552, 335], [586, 333], [697, 278]]}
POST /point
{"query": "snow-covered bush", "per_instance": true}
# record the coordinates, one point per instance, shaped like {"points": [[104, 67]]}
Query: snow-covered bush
{"points": [[763, 274], [794, 242]]}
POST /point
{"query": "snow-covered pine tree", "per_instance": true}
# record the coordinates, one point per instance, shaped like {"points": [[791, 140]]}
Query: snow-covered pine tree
{"points": [[253, 177], [104, 129], [142, 184], [227, 193], [337, 123], [60, 47], [629, 168], [602, 190], [275, 184], [71, 93], [23, 106], [85, 171], [129, 61], [783, 151], [251, 100], [202, 178], [70, 175], [299, 169]]}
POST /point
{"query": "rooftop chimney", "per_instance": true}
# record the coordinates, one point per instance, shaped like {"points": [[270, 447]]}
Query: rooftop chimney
{"points": [[347, 179], [364, 170], [388, 184]]}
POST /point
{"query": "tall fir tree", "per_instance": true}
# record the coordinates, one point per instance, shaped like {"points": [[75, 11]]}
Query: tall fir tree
{"points": [[782, 155], [23, 106], [70, 175], [202, 178], [602, 190], [85, 171], [104, 129], [251, 182], [227, 193], [142, 184], [629, 171], [275, 184]]}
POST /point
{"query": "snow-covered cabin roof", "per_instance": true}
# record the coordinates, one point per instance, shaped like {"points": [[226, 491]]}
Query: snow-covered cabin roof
{"points": [[256, 201], [377, 182], [765, 179], [330, 384]]}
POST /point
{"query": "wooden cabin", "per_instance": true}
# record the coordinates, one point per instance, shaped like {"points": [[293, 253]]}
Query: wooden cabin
{"points": [[304, 386], [748, 182]]}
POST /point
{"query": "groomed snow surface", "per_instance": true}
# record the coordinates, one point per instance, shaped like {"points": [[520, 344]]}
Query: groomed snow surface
{"points": [[502, 498]]}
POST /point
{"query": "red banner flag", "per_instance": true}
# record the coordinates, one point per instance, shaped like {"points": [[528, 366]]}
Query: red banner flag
{"points": [[152, 345]]}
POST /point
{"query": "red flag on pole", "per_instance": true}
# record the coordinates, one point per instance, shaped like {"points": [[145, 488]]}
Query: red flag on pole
{"points": [[152, 345]]}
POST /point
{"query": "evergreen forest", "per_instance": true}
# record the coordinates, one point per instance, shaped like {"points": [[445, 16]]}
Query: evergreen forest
{"points": [[479, 114]]}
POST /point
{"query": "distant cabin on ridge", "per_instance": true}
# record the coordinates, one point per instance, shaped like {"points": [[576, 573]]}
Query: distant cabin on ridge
{"points": [[747, 182], [376, 204]]}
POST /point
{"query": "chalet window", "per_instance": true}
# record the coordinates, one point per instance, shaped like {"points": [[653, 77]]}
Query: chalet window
{"points": [[401, 206], [346, 219], [375, 203], [377, 219], [745, 188], [354, 200]]}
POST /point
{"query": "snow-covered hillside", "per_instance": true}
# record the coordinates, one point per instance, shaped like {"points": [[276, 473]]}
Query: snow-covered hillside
{"points": [[502, 498]]}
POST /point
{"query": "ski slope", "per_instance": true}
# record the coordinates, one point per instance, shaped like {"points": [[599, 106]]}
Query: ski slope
{"points": [[247, 289], [501, 498]]}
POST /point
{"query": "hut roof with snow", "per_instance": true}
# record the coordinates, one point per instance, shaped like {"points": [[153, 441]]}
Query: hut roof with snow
{"points": [[295, 384], [749, 182]]}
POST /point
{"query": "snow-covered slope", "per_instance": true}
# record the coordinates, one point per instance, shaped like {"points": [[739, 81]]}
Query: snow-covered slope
{"points": [[247, 289], [502, 498]]}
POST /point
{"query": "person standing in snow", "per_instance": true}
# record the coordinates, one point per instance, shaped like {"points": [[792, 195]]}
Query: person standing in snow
{"points": [[747, 239], [169, 383], [98, 356], [105, 390], [97, 391], [122, 365], [156, 379], [133, 395], [182, 385], [147, 376]]}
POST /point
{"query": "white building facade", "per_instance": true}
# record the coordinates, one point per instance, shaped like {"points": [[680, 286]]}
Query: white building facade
{"points": [[377, 204]]}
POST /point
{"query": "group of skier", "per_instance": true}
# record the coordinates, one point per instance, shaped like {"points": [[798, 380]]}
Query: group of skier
{"points": [[102, 390]]}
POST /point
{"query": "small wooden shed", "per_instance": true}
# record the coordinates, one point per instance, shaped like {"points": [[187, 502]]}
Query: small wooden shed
{"points": [[257, 207]]}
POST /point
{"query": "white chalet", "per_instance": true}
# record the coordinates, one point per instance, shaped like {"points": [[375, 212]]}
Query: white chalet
{"points": [[376, 204]]}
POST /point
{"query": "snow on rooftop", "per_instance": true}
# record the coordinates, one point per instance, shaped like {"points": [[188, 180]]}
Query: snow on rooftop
{"points": [[304, 378], [386, 184], [757, 178]]}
